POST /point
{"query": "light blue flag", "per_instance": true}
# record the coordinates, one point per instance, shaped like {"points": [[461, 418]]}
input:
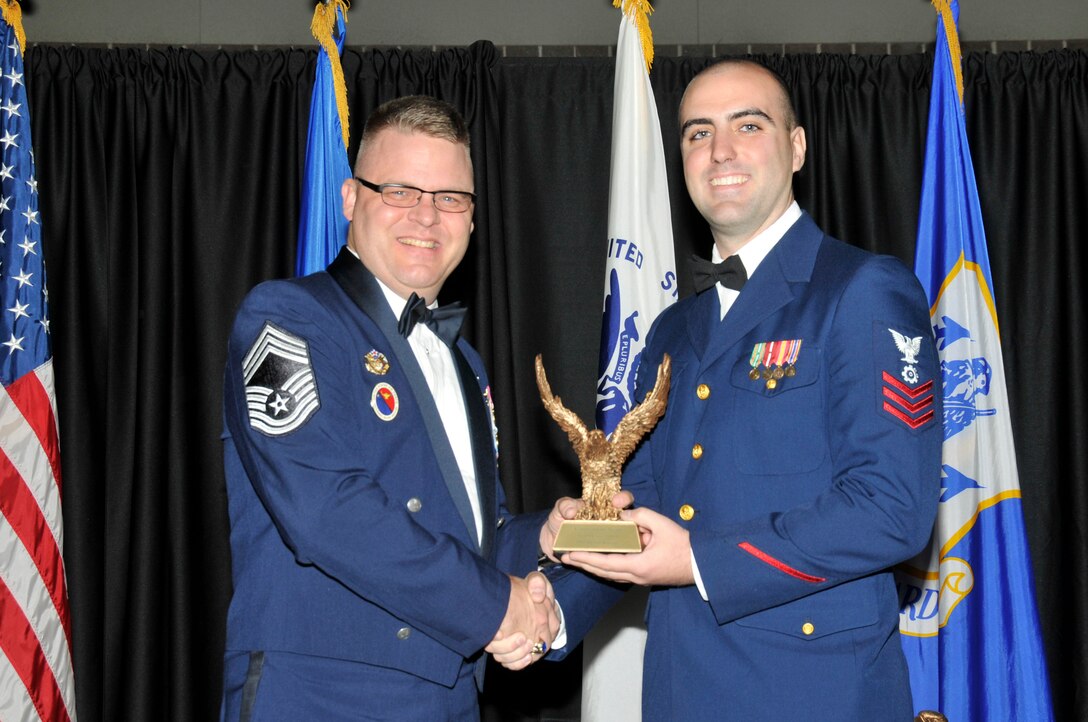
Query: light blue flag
{"points": [[968, 621], [322, 227]]}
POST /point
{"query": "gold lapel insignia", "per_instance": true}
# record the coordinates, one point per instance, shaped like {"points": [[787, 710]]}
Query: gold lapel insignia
{"points": [[376, 363]]}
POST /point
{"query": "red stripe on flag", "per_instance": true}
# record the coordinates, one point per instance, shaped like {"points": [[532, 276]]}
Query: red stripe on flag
{"points": [[25, 516], [778, 564], [32, 400], [20, 645]]}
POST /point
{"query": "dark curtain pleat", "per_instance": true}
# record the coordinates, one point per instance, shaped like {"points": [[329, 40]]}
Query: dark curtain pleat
{"points": [[169, 182]]}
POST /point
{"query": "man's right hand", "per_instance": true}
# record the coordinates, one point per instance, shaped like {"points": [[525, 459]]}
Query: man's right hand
{"points": [[530, 619], [567, 508]]}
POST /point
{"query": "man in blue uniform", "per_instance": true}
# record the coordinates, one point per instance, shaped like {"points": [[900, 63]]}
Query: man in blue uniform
{"points": [[373, 556], [798, 459]]}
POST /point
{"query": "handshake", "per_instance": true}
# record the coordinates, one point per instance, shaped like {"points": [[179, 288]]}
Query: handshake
{"points": [[530, 625], [532, 615]]}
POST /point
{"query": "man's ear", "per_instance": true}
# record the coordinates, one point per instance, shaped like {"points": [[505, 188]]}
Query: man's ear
{"points": [[800, 146], [348, 192]]}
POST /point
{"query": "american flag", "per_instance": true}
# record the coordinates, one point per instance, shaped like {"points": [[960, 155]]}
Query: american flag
{"points": [[36, 680]]}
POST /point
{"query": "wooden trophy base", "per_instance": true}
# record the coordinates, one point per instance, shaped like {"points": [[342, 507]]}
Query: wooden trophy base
{"points": [[577, 535]]}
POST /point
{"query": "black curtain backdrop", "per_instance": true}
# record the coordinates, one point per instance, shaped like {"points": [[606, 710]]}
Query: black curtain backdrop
{"points": [[169, 183]]}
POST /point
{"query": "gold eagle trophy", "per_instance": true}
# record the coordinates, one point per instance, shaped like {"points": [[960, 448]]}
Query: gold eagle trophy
{"points": [[597, 527]]}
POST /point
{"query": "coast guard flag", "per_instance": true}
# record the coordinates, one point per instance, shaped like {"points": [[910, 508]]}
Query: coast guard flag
{"points": [[36, 679], [967, 618], [640, 283], [322, 227]]}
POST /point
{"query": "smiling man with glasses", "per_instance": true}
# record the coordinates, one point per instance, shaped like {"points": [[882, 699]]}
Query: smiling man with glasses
{"points": [[374, 560]]}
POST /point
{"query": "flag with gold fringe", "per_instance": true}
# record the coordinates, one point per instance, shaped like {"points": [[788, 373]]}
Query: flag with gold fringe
{"points": [[640, 283], [322, 227], [968, 620], [36, 680]]}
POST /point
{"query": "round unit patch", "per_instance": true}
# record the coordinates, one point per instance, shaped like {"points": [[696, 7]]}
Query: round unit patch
{"points": [[384, 401]]}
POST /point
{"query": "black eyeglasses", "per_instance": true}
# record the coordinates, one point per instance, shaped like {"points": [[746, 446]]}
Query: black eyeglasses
{"points": [[402, 196]]}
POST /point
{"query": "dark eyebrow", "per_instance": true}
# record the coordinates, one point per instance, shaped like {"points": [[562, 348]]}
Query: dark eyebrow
{"points": [[735, 115], [738, 114], [694, 121]]}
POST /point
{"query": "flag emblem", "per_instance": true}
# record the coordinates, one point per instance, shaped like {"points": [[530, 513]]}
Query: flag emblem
{"points": [[281, 392], [384, 401]]}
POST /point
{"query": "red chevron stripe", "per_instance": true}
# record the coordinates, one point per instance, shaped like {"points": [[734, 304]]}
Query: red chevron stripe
{"points": [[913, 393], [912, 408], [912, 423]]}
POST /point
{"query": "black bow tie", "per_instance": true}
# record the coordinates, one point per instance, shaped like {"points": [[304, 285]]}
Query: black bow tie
{"points": [[730, 273], [444, 321]]}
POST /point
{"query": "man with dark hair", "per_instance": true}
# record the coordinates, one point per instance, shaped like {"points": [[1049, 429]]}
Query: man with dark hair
{"points": [[799, 457], [373, 556]]}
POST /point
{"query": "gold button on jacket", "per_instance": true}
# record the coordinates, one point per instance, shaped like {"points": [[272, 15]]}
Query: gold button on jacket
{"points": [[808, 628], [687, 512], [703, 391], [696, 451]]}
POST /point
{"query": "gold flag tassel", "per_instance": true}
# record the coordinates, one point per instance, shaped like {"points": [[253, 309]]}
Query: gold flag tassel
{"points": [[639, 11], [944, 7], [322, 25], [13, 16]]}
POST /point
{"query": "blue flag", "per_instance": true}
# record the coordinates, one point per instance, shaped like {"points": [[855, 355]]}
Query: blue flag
{"points": [[968, 621], [322, 227]]}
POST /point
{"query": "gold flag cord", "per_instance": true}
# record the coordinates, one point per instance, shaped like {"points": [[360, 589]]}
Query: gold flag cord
{"points": [[13, 16], [322, 25], [639, 11], [944, 7]]}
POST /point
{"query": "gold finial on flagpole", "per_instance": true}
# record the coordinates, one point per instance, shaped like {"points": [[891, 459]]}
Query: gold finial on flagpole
{"points": [[321, 27], [13, 16], [944, 7], [639, 11]]}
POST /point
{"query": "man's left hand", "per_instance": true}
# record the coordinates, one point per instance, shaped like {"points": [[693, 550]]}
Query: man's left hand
{"points": [[665, 559]]}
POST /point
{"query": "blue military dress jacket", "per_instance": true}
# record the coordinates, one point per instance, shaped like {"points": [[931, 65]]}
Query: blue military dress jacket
{"points": [[352, 537], [801, 449]]}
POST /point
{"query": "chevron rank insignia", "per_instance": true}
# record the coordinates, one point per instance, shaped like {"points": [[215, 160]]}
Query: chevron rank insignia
{"points": [[906, 396], [281, 393]]}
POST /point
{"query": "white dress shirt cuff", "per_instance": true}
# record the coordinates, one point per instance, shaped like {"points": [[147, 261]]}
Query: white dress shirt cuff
{"points": [[698, 577]]}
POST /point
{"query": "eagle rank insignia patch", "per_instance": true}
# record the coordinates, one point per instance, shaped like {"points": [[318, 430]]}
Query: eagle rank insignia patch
{"points": [[907, 398], [281, 392]]}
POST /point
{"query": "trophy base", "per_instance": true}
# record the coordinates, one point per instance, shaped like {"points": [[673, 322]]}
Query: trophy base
{"points": [[597, 536]]}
